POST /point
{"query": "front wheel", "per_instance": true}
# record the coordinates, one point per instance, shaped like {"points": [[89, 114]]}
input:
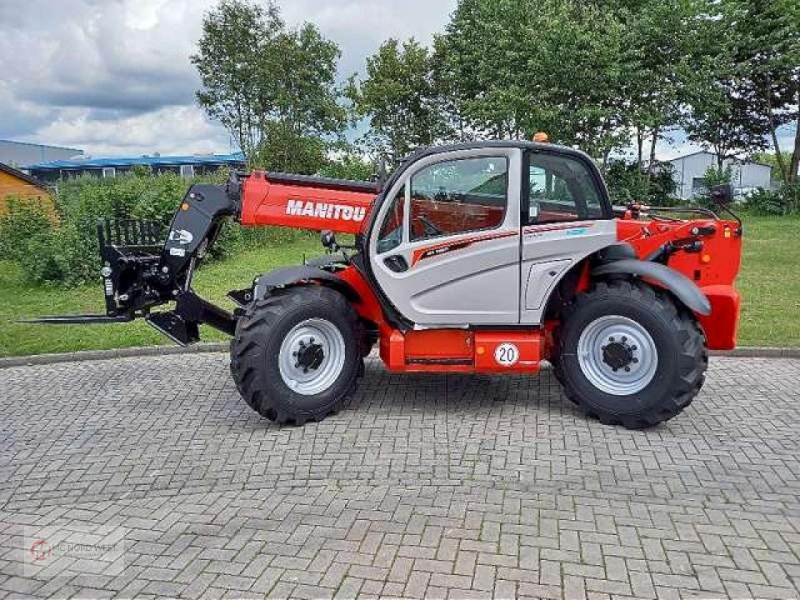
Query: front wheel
{"points": [[296, 354], [629, 355]]}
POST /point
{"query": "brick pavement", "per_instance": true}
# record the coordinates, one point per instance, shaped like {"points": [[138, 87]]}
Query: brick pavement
{"points": [[437, 486]]}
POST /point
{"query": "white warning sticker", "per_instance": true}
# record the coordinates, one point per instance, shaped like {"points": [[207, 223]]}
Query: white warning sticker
{"points": [[506, 354]]}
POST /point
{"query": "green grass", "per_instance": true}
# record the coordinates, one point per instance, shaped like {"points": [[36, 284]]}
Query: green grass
{"points": [[769, 283]]}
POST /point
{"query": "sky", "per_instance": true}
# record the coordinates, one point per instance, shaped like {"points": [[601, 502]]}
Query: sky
{"points": [[113, 77]]}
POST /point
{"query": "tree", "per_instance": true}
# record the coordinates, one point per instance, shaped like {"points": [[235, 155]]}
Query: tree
{"points": [[630, 182], [515, 67], [767, 53], [721, 116], [273, 88], [663, 63], [285, 150], [483, 63], [723, 123], [399, 98], [236, 40], [714, 175], [349, 164]]}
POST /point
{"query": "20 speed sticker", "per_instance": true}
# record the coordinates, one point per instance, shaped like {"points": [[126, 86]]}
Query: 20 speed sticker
{"points": [[506, 355]]}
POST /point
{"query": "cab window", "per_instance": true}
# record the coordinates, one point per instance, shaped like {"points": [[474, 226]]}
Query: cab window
{"points": [[458, 196], [561, 188], [390, 235]]}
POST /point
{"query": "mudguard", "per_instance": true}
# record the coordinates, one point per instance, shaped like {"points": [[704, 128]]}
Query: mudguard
{"points": [[298, 275], [684, 288]]}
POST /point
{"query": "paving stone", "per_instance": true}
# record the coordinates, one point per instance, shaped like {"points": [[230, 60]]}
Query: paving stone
{"points": [[423, 486]]}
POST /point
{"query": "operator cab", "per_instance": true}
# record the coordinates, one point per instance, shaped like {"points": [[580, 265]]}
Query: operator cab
{"points": [[456, 224]]}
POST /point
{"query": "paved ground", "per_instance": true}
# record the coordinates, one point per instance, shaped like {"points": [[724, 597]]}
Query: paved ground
{"points": [[437, 486]]}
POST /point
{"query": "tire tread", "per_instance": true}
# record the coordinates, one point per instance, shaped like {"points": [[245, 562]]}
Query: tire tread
{"points": [[255, 327], [693, 359]]}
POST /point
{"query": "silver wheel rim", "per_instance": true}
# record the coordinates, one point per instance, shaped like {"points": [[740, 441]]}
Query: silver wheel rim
{"points": [[617, 335], [293, 365]]}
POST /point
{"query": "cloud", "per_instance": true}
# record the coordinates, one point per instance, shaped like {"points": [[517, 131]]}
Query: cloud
{"points": [[105, 55], [113, 76], [360, 26], [168, 130]]}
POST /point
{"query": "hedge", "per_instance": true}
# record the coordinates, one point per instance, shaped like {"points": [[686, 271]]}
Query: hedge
{"points": [[65, 250]]}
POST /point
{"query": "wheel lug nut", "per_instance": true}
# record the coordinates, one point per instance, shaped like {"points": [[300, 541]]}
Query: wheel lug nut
{"points": [[627, 369], [634, 360], [611, 338], [634, 348], [624, 339], [311, 340], [294, 353]]}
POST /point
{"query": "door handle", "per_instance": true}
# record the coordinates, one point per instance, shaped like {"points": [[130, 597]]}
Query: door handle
{"points": [[396, 263]]}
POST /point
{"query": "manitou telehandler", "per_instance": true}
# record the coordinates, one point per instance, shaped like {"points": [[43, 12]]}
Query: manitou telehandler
{"points": [[486, 257]]}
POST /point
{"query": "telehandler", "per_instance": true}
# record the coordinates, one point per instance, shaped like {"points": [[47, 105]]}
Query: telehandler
{"points": [[484, 257]]}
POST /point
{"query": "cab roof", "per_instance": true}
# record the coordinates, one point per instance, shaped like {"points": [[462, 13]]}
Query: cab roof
{"points": [[521, 144]]}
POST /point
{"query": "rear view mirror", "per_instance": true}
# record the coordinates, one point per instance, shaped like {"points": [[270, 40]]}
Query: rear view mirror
{"points": [[722, 194]]}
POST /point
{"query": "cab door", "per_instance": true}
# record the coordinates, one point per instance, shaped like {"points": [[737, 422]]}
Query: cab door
{"points": [[566, 217], [445, 250]]}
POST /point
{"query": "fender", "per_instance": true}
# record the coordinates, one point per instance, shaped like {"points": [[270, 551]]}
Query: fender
{"points": [[684, 288], [299, 275]]}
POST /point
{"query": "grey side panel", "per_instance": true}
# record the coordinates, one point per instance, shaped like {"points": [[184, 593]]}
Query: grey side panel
{"points": [[293, 275], [542, 278], [684, 288], [549, 251], [477, 285]]}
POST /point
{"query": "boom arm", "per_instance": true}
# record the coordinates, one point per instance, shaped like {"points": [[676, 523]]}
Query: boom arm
{"points": [[306, 202]]}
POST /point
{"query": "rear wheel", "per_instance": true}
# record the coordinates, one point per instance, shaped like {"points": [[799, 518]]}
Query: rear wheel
{"points": [[629, 355], [296, 354]]}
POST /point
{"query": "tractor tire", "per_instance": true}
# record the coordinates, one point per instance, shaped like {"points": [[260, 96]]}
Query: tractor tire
{"points": [[296, 354], [630, 355]]}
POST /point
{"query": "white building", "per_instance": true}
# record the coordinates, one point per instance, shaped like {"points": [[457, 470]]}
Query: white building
{"points": [[689, 170], [19, 154]]}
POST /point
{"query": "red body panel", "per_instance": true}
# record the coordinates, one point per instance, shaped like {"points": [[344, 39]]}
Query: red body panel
{"points": [[529, 343], [303, 206], [717, 264], [713, 269], [462, 351]]}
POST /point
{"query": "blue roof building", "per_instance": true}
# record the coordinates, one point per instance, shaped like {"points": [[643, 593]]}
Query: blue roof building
{"points": [[186, 166]]}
